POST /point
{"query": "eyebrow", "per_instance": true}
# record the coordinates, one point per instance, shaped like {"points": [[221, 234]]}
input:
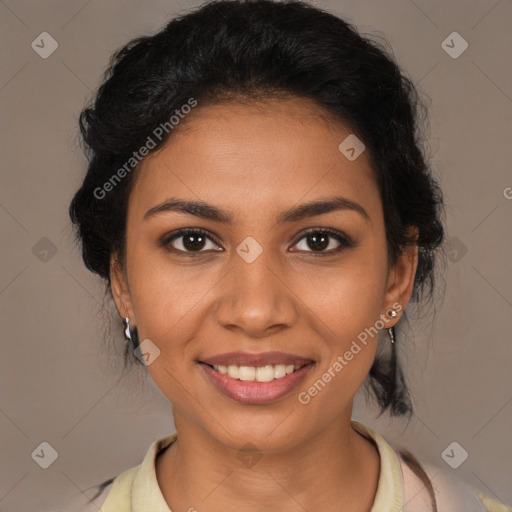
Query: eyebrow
{"points": [[210, 212]]}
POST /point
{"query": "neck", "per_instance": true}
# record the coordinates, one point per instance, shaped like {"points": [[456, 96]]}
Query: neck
{"points": [[335, 470]]}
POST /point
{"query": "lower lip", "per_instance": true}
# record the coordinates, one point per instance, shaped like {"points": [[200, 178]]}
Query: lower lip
{"points": [[256, 392]]}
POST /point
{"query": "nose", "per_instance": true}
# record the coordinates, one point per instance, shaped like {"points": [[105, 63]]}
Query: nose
{"points": [[255, 298]]}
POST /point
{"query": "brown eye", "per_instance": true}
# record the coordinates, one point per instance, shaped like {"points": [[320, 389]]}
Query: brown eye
{"points": [[190, 240], [322, 241]]}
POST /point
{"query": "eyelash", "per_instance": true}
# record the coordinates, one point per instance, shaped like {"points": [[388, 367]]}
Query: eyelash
{"points": [[345, 241]]}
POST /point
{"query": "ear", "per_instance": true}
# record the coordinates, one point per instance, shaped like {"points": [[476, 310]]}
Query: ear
{"points": [[121, 290], [400, 282]]}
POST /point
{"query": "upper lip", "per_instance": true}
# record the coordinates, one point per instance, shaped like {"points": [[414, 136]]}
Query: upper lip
{"points": [[261, 359]]}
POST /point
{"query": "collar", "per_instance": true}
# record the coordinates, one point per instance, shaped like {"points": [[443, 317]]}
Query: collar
{"points": [[139, 485], [390, 491]]}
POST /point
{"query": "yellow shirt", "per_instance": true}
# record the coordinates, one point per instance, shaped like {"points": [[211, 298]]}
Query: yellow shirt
{"points": [[399, 490]]}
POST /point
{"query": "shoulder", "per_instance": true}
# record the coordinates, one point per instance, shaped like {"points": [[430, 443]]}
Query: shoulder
{"points": [[138, 487], [120, 496], [451, 493], [490, 504]]}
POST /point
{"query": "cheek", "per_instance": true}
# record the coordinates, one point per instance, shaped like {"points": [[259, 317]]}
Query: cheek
{"points": [[166, 296], [350, 308], [346, 306], [347, 299]]}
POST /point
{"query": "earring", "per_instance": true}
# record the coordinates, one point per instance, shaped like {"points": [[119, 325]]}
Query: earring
{"points": [[393, 314], [127, 334], [131, 334]]}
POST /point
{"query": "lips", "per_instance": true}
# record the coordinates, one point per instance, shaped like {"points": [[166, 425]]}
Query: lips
{"points": [[254, 392]]}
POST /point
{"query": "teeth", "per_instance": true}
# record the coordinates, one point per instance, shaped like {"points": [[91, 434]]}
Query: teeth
{"points": [[279, 371], [259, 374], [233, 371], [264, 373], [246, 373]]}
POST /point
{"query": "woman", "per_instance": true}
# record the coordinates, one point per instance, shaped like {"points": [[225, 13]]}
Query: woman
{"points": [[260, 208]]}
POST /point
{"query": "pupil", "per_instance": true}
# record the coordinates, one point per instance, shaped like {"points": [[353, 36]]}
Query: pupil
{"points": [[189, 244], [319, 242]]}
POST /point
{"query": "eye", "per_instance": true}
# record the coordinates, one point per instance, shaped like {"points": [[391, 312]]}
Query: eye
{"points": [[318, 241], [190, 240], [323, 242]]}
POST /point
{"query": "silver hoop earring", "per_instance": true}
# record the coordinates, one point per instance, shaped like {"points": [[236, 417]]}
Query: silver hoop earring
{"points": [[127, 334]]}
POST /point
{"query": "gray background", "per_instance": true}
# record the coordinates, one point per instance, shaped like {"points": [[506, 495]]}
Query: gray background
{"points": [[59, 379]]}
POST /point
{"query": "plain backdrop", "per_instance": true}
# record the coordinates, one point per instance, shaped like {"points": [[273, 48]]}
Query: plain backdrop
{"points": [[59, 381]]}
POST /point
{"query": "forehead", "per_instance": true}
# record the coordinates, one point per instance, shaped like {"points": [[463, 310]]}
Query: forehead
{"points": [[259, 153]]}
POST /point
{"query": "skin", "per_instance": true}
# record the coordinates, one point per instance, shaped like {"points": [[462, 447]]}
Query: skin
{"points": [[256, 161]]}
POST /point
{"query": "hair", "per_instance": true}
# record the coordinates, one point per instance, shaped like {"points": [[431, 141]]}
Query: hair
{"points": [[235, 50]]}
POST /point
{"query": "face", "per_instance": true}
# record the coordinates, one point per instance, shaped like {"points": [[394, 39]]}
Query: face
{"points": [[229, 263]]}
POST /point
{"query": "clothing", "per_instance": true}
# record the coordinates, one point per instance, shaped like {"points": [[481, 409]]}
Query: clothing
{"points": [[399, 490]]}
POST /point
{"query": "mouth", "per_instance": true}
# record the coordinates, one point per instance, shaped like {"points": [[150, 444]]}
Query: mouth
{"points": [[256, 378], [266, 373]]}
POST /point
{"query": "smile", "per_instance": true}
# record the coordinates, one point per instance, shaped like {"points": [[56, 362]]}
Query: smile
{"points": [[256, 378], [257, 373]]}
